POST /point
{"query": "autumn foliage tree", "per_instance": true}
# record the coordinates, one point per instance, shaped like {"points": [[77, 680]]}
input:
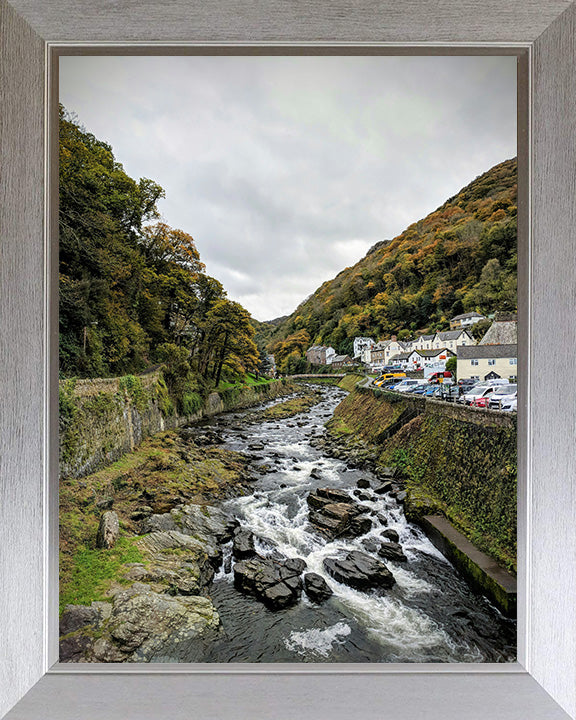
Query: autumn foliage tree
{"points": [[133, 291]]}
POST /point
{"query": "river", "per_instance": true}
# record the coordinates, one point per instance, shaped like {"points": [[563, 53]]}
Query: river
{"points": [[429, 615]]}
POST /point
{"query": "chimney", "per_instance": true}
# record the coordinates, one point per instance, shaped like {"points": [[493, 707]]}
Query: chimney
{"points": [[393, 338]]}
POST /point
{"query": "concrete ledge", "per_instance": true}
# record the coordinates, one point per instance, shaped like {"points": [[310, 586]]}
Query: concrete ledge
{"points": [[480, 571]]}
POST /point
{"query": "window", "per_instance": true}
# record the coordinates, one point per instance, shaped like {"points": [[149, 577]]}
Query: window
{"points": [[474, 362], [492, 362], [513, 361]]}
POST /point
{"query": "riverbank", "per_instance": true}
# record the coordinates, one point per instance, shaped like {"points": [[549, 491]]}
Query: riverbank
{"points": [[242, 541], [102, 419], [455, 462]]}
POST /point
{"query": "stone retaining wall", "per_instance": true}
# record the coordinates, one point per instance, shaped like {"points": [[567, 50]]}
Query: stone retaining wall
{"points": [[104, 418]]}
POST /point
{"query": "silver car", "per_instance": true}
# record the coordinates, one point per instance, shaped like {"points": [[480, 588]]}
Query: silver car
{"points": [[501, 395]]}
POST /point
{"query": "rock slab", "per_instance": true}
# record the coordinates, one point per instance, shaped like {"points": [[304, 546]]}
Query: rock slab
{"points": [[360, 571], [275, 583]]}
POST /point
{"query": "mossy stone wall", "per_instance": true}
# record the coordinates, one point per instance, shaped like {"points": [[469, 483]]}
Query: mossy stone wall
{"points": [[456, 460], [102, 419]]}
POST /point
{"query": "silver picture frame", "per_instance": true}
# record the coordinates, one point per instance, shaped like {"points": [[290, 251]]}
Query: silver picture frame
{"points": [[542, 685]]}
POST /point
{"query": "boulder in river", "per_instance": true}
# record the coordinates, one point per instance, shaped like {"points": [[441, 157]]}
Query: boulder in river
{"points": [[363, 483], [392, 551], [334, 495], [316, 587], [108, 530], [390, 534], [359, 571], [277, 584], [243, 546], [384, 488]]}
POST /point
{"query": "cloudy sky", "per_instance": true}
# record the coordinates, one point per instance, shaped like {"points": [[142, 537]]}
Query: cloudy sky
{"points": [[285, 170]]}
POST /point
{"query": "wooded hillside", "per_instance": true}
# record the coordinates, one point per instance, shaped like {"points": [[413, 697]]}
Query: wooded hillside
{"points": [[461, 257], [133, 291]]}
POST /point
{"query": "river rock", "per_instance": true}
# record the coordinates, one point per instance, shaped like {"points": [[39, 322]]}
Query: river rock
{"points": [[209, 525], [182, 563], [316, 587], [243, 546], [388, 472], [315, 474], [108, 530], [390, 534], [359, 571], [358, 526], [392, 551], [384, 488], [371, 545], [363, 483], [145, 625], [334, 495], [276, 584]]}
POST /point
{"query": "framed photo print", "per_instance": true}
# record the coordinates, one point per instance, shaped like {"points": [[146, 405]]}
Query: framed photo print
{"points": [[280, 428]]}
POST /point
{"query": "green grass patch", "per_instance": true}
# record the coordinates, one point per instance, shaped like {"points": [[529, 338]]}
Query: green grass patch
{"points": [[94, 570]]}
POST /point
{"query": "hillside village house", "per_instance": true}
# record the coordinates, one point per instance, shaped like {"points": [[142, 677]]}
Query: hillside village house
{"points": [[424, 342], [361, 344], [339, 361], [320, 355], [461, 322], [452, 340], [415, 359], [479, 361]]}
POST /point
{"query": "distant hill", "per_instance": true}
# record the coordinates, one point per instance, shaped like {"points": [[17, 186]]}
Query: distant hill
{"points": [[459, 258]]}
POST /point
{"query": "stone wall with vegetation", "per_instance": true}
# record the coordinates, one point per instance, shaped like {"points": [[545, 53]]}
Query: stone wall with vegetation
{"points": [[457, 461], [101, 419]]}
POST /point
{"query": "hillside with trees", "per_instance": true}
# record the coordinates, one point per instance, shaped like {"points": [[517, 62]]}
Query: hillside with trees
{"points": [[460, 258], [133, 291]]}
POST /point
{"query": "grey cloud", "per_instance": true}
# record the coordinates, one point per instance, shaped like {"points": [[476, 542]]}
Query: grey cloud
{"points": [[287, 169]]}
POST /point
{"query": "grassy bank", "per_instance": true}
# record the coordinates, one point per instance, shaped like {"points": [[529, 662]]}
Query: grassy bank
{"points": [[162, 472]]}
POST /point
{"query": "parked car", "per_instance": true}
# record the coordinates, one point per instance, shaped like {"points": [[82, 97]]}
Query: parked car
{"points": [[448, 392], [502, 393], [406, 385], [482, 401], [440, 377], [478, 391], [466, 383], [430, 390], [420, 389], [510, 405]]}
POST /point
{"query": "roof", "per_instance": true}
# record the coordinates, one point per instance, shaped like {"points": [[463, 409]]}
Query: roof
{"points": [[450, 334], [501, 333], [401, 356], [433, 353], [317, 347], [340, 358], [474, 352], [466, 315], [381, 345]]}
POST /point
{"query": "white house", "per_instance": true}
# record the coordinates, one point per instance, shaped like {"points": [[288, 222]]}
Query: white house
{"points": [[479, 361], [452, 340], [465, 320], [361, 343], [417, 359], [423, 342]]}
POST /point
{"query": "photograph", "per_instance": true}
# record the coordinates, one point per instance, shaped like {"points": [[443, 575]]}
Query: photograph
{"points": [[288, 364]]}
